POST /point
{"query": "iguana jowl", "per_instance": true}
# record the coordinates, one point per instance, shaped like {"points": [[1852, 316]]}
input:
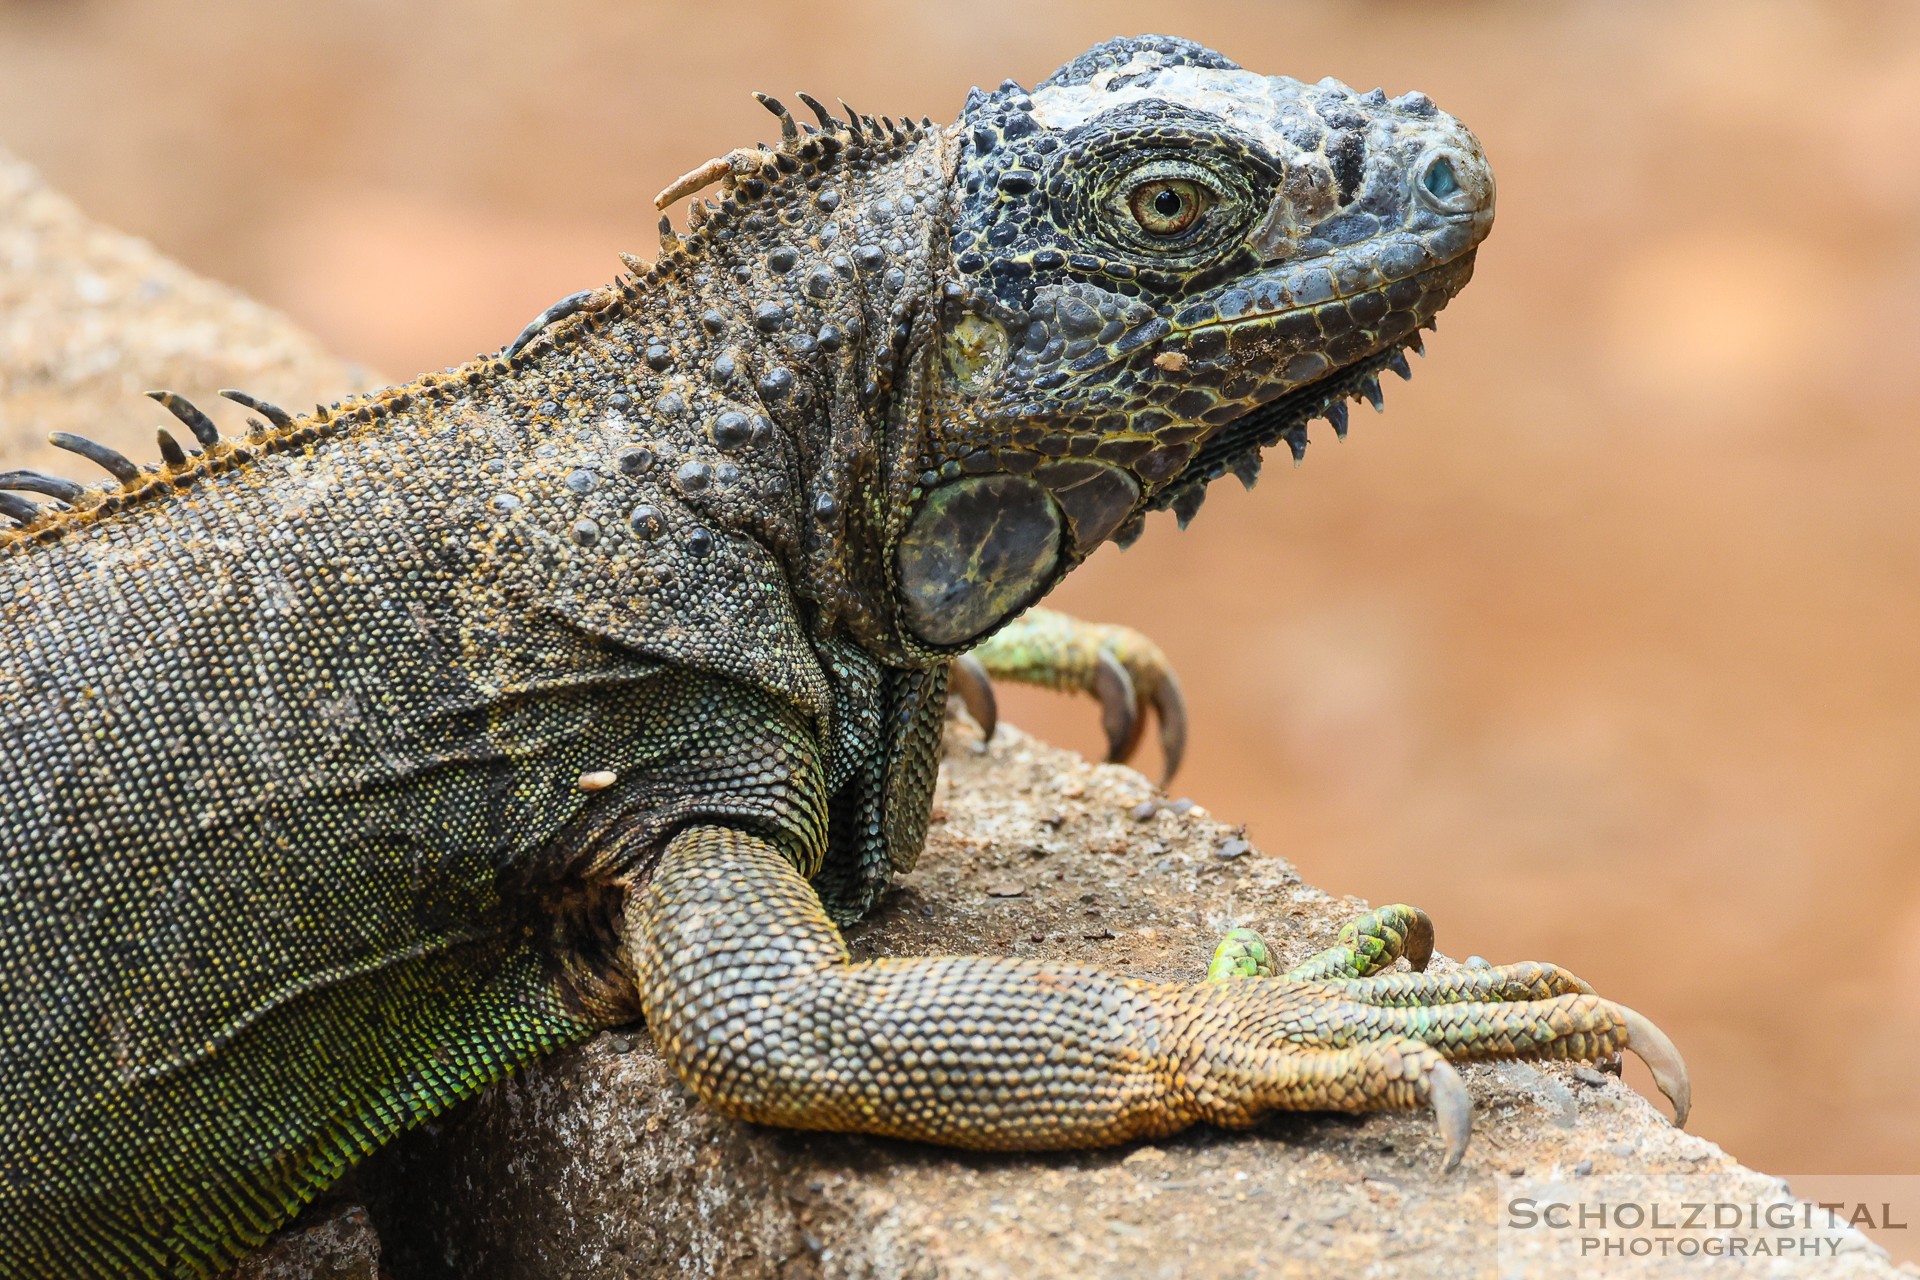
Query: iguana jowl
{"points": [[354, 762]]}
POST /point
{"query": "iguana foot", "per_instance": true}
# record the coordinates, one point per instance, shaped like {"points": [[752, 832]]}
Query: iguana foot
{"points": [[1124, 669], [1367, 944], [752, 994], [1339, 1033]]}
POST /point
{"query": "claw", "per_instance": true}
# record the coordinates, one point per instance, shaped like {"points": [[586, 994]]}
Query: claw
{"points": [[1119, 709], [1419, 945], [967, 677], [1170, 705], [1452, 1111], [1123, 713], [170, 451], [1650, 1044], [1120, 667]]}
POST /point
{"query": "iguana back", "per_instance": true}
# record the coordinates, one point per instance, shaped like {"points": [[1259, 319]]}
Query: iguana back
{"points": [[288, 756]]}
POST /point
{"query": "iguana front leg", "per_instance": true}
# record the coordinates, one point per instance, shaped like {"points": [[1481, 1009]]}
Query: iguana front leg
{"points": [[753, 998], [1124, 669]]}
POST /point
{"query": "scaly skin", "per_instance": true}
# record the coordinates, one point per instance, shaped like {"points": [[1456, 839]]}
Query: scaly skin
{"points": [[752, 995], [354, 763]]}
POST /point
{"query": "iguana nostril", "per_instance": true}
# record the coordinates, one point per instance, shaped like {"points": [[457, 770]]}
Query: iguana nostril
{"points": [[1443, 187]]}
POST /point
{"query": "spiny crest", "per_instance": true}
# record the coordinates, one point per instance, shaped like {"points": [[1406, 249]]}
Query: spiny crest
{"points": [[73, 505], [751, 174], [1236, 449]]}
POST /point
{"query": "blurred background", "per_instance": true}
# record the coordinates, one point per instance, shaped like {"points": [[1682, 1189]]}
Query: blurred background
{"points": [[1603, 644]]}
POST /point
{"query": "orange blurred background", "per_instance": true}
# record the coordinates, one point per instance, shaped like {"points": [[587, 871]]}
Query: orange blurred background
{"points": [[1603, 645]]}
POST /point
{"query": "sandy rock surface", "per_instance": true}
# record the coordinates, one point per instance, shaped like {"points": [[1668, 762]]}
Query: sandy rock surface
{"points": [[596, 1163]]}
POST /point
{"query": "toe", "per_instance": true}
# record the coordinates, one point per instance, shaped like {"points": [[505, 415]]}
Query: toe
{"points": [[1242, 953]]}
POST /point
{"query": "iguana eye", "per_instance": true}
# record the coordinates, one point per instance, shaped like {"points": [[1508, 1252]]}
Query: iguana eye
{"points": [[1168, 206]]}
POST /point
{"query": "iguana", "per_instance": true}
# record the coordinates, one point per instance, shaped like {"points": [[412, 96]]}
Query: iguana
{"points": [[356, 761]]}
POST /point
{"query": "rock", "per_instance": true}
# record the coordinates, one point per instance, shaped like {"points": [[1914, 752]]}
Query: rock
{"points": [[337, 1242], [596, 1164]]}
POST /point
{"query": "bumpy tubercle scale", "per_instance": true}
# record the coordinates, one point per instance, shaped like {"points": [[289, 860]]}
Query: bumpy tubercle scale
{"points": [[696, 391]]}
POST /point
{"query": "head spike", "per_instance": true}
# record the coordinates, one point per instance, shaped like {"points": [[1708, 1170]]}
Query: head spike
{"points": [[184, 409], [1398, 363], [789, 130], [272, 412], [38, 482], [853, 118], [170, 451]]}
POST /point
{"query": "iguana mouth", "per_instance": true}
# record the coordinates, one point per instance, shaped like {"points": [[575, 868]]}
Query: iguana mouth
{"points": [[1247, 437], [1238, 445]]}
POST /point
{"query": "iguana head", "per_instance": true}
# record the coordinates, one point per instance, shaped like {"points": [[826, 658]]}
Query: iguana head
{"points": [[1161, 264]]}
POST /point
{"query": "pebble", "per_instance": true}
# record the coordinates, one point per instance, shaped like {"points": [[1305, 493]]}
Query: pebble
{"points": [[1233, 848], [1588, 1076], [1144, 811]]}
